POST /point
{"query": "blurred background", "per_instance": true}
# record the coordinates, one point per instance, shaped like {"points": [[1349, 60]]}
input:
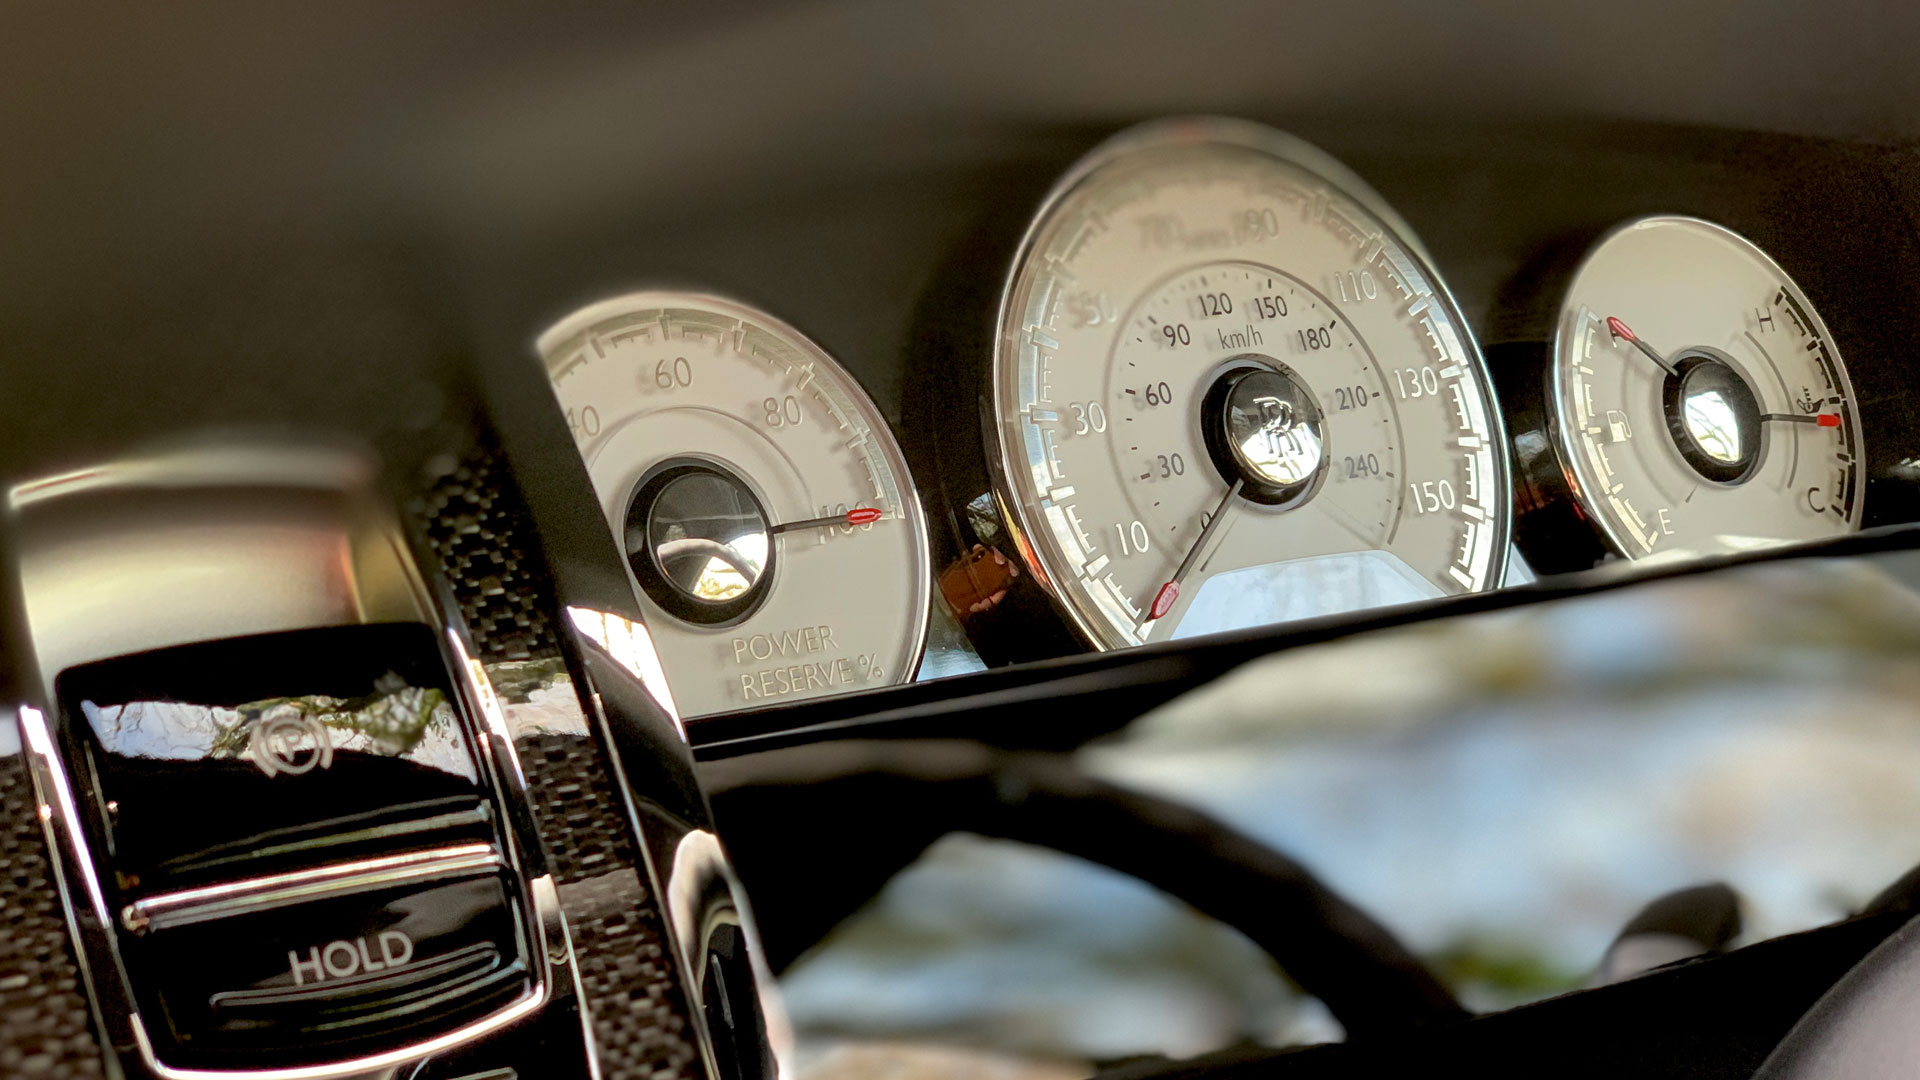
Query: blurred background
{"points": [[1503, 791]]}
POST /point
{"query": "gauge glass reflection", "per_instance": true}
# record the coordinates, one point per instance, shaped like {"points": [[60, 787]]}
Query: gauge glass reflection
{"points": [[707, 536]]}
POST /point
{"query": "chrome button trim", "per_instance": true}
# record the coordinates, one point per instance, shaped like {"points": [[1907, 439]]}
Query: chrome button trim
{"points": [[189, 906]]}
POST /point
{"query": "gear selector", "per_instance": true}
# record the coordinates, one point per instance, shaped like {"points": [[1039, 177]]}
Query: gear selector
{"points": [[289, 819]]}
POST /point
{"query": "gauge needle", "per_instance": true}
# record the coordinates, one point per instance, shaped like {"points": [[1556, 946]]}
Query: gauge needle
{"points": [[1163, 600], [1821, 419], [863, 515], [1621, 331]]}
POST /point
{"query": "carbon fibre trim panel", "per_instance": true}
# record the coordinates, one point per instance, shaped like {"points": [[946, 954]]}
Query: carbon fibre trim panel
{"points": [[479, 531], [46, 1028]]}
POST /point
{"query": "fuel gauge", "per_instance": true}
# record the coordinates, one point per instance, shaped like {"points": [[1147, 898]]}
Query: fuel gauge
{"points": [[1695, 402]]}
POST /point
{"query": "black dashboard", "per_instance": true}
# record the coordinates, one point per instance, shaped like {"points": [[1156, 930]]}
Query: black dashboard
{"points": [[547, 328]]}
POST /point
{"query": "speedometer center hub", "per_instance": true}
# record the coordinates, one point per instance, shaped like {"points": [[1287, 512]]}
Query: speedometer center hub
{"points": [[1262, 425], [1714, 417]]}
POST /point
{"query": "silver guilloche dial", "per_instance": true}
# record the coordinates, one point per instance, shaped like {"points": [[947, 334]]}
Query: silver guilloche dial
{"points": [[775, 538], [1697, 398], [1230, 391]]}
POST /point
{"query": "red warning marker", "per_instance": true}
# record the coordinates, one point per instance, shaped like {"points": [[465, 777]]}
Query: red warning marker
{"points": [[1163, 600], [863, 515], [1819, 419]]}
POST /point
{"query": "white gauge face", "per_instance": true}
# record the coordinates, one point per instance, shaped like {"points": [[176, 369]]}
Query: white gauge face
{"points": [[1698, 399], [1211, 319], [774, 536]]}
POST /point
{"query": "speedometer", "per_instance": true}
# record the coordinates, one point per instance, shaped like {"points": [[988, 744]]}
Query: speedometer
{"points": [[766, 513], [1229, 390]]}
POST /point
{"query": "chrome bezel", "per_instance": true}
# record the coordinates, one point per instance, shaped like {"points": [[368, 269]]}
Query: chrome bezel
{"points": [[1016, 510], [338, 473], [559, 340], [1568, 310]]}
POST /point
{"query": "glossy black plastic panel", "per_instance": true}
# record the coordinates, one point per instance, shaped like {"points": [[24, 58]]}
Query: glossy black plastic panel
{"points": [[332, 978], [230, 759]]}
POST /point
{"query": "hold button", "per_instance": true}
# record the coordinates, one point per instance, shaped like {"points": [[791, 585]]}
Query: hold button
{"points": [[323, 980], [343, 960]]}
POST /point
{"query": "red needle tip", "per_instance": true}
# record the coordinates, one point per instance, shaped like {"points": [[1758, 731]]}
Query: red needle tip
{"points": [[865, 515], [1828, 419], [1163, 600], [1619, 329]]}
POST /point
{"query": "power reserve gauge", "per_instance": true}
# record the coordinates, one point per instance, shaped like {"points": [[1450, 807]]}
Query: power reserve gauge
{"points": [[1229, 389], [775, 538], [1694, 401]]}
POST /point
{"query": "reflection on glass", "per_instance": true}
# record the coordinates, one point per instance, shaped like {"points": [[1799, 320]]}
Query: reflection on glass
{"points": [[215, 760], [632, 648], [1302, 589], [290, 735], [708, 536], [1713, 425]]}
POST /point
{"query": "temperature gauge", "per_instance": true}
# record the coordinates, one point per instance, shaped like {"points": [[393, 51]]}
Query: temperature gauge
{"points": [[1695, 401], [765, 510]]}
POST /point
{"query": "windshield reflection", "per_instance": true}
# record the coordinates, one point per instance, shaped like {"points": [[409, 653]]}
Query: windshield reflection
{"points": [[708, 536], [1711, 421]]}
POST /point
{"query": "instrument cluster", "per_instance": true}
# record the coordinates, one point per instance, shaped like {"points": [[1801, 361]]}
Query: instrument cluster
{"points": [[1223, 385]]}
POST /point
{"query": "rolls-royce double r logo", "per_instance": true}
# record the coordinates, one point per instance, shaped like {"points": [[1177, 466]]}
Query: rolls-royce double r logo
{"points": [[1276, 424]]}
